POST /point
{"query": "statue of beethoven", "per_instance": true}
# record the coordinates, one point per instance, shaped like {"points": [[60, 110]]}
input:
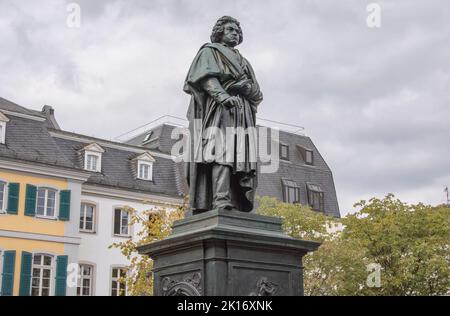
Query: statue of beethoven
{"points": [[222, 171]]}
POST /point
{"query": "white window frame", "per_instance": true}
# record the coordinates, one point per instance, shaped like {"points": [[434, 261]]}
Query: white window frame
{"points": [[5, 197], [94, 218], [98, 166], [122, 211], [115, 279], [81, 277], [41, 267], [150, 170], [55, 210], [2, 132]]}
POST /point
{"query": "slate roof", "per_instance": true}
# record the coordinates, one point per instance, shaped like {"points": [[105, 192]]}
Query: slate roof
{"points": [[29, 140], [37, 141], [270, 184], [118, 169]]}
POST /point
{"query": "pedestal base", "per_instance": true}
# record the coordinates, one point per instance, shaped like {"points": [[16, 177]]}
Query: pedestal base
{"points": [[225, 253]]}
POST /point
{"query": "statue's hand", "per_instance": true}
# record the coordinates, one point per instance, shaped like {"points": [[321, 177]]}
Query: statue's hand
{"points": [[243, 86], [232, 102]]}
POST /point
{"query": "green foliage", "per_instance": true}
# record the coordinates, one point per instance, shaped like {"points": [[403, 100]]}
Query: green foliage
{"points": [[153, 225], [410, 243]]}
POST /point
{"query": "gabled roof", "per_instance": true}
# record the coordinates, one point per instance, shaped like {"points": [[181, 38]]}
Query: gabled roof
{"points": [[37, 141], [13, 107], [93, 147], [3, 117], [145, 157]]}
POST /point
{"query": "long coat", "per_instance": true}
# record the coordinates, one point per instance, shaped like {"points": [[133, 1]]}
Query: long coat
{"points": [[205, 113]]}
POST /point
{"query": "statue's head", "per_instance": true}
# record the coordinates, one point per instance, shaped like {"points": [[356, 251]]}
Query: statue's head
{"points": [[228, 31]]}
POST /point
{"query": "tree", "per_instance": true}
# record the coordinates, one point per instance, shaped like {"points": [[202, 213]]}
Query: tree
{"points": [[409, 243], [406, 246], [153, 225]]}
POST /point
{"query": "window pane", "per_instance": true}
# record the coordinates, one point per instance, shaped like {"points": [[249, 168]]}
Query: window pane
{"points": [[82, 210], [40, 202], [45, 292], [88, 225], [35, 291], [114, 273], [47, 260], [94, 162], [117, 217], [46, 273], [89, 212], [124, 223], [35, 281], [86, 270], [37, 259], [2, 194], [309, 156], [46, 282], [86, 291]]}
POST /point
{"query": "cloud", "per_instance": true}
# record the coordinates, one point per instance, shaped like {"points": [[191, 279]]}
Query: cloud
{"points": [[375, 101]]}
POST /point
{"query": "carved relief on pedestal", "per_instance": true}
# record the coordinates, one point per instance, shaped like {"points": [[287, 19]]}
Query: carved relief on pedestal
{"points": [[189, 286], [264, 288]]}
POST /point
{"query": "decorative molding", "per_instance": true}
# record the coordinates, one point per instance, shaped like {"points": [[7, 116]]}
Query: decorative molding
{"points": [[104, 143], [27, 116], [189, 286], [264, 288], [146, 198], [52, 171], [94, 147], [3, 117], [41, 237]]}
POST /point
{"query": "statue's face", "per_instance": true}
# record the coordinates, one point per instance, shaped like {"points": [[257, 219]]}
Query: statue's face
{"points": [[230, 35]]}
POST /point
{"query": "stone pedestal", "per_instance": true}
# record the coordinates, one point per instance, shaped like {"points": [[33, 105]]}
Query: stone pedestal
{"points": [[226, 253]]}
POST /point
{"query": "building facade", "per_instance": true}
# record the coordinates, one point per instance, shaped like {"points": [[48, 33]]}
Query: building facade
{"points": [[64, 199], [302, 175]]}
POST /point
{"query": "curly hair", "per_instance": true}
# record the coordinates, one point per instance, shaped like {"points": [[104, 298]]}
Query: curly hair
{"points": [[218, 30]]}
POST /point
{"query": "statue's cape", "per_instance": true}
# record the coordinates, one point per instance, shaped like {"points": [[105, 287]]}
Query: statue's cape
{"points": [[212, 60]]}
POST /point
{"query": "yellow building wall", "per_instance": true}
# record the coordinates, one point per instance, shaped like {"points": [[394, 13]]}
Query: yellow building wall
{"points": [[28, 245], [28, 224]]}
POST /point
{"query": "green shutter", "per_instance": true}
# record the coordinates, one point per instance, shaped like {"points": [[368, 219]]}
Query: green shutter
{"points": [[61, 275], [64, 205], [30, 200], [25, 274], [9, 260], [13, 198]]}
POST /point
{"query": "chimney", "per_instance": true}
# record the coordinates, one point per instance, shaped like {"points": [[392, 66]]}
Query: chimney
{"points": [[50, 114]]}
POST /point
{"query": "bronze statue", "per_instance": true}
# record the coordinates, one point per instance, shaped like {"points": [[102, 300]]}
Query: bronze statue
{"points": [[222, 175]]}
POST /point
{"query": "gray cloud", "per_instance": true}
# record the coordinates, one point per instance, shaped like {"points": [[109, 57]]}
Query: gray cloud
{"points": [[375, 101]]}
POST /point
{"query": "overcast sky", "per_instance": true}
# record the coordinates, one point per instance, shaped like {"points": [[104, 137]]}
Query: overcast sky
{"points": [[375, 101]]}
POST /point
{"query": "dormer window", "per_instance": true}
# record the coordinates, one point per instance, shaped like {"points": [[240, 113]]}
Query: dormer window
{"points": [[145, 170], [284, 151], [93, 157], [91, 162], [306, 155], [147, 138], [144, 166], [3, 121]]}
